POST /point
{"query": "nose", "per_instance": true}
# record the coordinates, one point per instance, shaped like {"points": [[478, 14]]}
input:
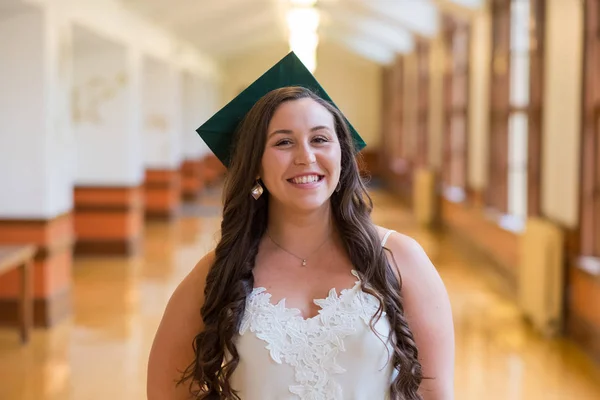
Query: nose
{"points": [[305, 155]]}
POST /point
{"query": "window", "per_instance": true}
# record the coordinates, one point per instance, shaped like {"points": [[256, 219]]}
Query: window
{"points": [[497, 193], [536, 60], [518, 122], [517, 46]]}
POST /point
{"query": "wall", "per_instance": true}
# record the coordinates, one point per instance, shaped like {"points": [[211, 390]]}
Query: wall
{"points": [[192, 114], [104, 115], [352, 82], [436, 101], [561, 122], [242, 70], [161, 110], [479, 99], [34, 104], [21, 113]]}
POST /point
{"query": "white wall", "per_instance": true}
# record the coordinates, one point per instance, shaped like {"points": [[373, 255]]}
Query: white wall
{"points": [[106, 114], [35, 138], [60, 150], [562, 117], [161, 123], [197, 108]]}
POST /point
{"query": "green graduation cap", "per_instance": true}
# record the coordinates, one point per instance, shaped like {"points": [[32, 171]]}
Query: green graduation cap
{"points": [[218, 131]]}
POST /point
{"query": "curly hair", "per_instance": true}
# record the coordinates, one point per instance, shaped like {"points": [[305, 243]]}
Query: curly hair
{"points": [[230, 279]]}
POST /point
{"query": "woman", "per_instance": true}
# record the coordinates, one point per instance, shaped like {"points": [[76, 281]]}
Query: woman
{"points": [[296, 227]]}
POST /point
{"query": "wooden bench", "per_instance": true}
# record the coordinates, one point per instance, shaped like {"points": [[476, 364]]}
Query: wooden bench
{"points": [[21, 257]]}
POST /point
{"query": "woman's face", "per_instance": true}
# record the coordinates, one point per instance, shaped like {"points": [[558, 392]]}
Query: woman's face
{"points": [[302, 159]]}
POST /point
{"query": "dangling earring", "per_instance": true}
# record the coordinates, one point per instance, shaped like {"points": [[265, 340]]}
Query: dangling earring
{"points": [[257, 190]]}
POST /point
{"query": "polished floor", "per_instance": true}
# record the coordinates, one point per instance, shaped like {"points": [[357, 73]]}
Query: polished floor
{"points": [[101, 353]]}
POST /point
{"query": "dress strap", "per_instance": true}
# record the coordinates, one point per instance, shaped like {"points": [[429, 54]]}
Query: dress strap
{"points": [[387, 235]]}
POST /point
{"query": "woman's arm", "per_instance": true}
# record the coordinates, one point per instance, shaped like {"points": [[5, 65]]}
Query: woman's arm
{"points": [[427, 309], [172, 350]]}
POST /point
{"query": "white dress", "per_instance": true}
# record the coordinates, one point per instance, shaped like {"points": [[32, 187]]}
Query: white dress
{"points": [[332, 356]]}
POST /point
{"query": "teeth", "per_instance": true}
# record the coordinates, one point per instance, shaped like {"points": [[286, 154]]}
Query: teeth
{"points": [[306, 179]]}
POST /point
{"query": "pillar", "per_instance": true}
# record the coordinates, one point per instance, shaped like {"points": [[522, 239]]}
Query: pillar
{"points": [[161, 126], [37, 145], [110, 165]]}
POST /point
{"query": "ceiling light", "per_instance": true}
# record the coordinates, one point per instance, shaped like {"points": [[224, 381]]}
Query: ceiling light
{"points": [[303, 3]]}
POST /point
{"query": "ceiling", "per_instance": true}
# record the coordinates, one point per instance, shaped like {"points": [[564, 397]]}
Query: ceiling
{"points": [[10, 8], [375, 29]]}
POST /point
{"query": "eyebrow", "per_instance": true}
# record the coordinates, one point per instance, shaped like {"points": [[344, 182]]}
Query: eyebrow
{"points": [[289, 132]]}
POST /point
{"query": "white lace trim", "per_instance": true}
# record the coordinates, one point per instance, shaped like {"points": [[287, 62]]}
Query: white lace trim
{"points": [[310, 345]]}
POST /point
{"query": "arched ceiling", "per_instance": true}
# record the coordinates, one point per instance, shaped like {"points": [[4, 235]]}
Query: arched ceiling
{"points": [[374, 29]]}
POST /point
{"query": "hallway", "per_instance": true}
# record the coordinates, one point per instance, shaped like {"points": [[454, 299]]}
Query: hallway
{"points": [[101, 353]]}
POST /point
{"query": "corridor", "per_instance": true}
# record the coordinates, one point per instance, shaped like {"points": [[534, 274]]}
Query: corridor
{"points": [[117, 119], [101, 351]]}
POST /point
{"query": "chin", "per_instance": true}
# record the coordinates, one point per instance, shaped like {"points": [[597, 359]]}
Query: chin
{"points": [[311, 204], [305, 203], [310, 200]]}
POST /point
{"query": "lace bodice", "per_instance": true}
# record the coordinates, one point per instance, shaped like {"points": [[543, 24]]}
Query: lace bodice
{"points": [[333, 355]]}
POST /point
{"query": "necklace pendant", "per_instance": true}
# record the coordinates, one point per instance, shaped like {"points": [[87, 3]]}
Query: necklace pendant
{"points": [[304, 263]]}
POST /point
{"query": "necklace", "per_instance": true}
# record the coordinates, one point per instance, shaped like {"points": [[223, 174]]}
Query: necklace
{"points": [[299, 258]]}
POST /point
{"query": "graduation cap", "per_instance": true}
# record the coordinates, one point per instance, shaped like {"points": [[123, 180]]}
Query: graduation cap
{"points": [[219, 130]]}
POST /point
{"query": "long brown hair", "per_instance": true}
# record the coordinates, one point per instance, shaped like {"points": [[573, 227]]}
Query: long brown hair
{"points": [[230, 279]]}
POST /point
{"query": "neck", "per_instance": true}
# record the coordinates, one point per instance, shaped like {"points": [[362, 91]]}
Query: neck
{"points": [[300, 232]]}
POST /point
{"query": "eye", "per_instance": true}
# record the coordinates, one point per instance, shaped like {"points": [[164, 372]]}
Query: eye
{"points": [[320, 139], [283, 142]]}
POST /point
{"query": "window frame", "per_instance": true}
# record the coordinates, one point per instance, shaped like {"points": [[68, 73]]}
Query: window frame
{"points": [[421, 157], [501, 110], [456, 68], [589, 225]]}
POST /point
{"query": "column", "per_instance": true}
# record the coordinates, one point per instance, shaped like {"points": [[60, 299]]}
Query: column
{"points": [[161, 126], [110, 163], [36, 183]]}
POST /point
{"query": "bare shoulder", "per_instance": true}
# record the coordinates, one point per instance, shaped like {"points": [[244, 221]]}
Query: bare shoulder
{"points": [[172, 349], [196, 279], [428, 312], [413, 265], [408, 254]]}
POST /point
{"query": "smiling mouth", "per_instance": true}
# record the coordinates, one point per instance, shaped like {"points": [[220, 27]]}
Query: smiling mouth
{"points": [[303, 180]]}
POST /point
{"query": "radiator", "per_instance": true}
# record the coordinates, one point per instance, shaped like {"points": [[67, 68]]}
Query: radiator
{"points": [[541, 276], [424, 196]]}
